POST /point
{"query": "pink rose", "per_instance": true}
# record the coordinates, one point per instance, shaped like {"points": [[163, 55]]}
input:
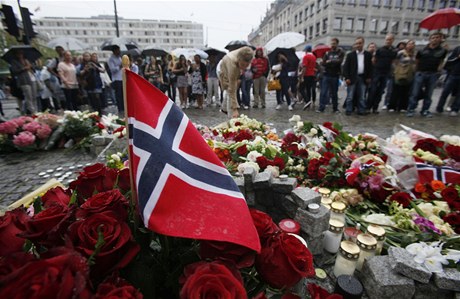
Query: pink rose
{"points": [[24, 139]]}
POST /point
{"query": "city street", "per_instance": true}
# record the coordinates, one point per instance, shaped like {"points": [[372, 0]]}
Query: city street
{"points": [[22, 172]]}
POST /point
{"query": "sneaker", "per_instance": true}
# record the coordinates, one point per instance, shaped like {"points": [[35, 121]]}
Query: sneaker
{"points": [[384, 107], [403, 110], [255, 106], [453, 113], [245, 107], [410, 113], [263, 106], [306, 105], [278, 107], [391, 110], [448, 109], [290, 107], [426, 114], [319, 111], [337, 111]]}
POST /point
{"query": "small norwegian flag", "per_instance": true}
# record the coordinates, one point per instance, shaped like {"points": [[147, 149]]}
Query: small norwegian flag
{"points": [[428, 173]]}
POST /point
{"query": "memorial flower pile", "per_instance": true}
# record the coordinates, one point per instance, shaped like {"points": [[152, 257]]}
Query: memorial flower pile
{"points": [[23, 133], [87, 241]]}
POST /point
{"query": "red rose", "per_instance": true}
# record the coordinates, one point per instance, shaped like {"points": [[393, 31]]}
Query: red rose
{"points": [[328, 156], [118, 249], [56, 195], [109, 201], [12, 224], [48, 227], [290, 138], [93, 179], [430, 145], [453, 151], [402, 198], [452, 218], [124, 180], [12, 262], [317, 292], [64, 275], [213, 279], [264, 224], [243, 135], [279, 162], [262, 162], [116, 287], [284, 260], [242, 150], [449, 194], [240, 256]]}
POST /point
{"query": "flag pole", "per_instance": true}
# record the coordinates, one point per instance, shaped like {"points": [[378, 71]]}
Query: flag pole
{"points": [[125, 64]]}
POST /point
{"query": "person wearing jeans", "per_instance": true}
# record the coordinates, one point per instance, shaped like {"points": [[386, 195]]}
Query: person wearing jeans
{"points": [[259, 67], [332, 62], [428, 65]]}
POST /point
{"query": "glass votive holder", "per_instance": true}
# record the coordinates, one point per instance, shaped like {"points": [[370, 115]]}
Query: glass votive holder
{"points": [[378, 233], [367, 244], [346, 260]]}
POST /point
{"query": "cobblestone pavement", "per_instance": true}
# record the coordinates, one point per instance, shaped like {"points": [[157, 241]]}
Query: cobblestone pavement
{"points": [[21, 173]]}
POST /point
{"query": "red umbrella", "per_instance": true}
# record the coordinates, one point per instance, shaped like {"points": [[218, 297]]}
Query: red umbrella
{"points": [[442, 18], [320, 50]]}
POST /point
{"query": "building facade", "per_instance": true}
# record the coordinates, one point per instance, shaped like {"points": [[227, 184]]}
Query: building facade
{"points": [[320, 20], [163, 34]]}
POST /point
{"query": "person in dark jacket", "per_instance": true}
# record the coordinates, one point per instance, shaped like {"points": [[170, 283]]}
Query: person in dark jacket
{"points": [[332, 63], [357, 71]]}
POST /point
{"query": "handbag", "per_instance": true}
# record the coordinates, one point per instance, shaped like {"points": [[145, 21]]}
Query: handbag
{"points": [[274, 84]]}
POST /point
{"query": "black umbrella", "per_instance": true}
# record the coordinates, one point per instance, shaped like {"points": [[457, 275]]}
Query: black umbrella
{"points": [[214, 52], [30, 53], [124, 44], [132, 52], [152, 51], [288, 52], [236, 44]]}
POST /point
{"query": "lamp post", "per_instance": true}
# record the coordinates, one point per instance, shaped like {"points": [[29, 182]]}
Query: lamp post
{"points": [[116, 17]]}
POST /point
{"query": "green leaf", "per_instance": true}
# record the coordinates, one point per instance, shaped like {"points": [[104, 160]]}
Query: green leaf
{"points": [[97, 248], [73, 198]]}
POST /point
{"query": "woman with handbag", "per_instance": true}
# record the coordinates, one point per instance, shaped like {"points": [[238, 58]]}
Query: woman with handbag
{"points": [[403, 77]]}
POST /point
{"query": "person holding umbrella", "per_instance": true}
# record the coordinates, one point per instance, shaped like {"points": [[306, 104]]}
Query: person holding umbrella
{"points": [[231, 67], [23, 70]]}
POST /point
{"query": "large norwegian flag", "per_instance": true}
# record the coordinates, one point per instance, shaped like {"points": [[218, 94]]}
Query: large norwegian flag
{"points": [[182, 187], [428, 173]]}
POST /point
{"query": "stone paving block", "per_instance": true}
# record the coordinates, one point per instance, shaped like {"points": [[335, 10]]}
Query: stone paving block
{"points": [[265, 197], [380, 281], [430, 291], [448, 280], [249, 176], [313, 224], [262, 180], [305, 196], [287, 204], [315, 243], [403, 262], [284, 186]]}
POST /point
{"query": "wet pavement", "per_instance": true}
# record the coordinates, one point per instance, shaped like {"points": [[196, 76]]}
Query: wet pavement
{"points": [[21, 173]]}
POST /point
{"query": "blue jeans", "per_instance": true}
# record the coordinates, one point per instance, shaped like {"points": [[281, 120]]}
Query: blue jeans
{"points": [[329, 88], [379, 82], [425, 80], [246, 91], [360, 87], [118, 89], [452, 82]]}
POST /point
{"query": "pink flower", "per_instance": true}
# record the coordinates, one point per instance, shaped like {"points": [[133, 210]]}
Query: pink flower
{"points": [[32, 127], [375, 182], [20, 121], [44, 131], [9, 127], [24, 139]]}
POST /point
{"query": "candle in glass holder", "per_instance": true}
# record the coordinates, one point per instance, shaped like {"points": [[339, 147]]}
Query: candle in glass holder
{"points": [[338, 210], [349, 287], [367, 243], [289, 226], [326, 201], [346, 260], [350, 233], [378, 233], [333, 236]]}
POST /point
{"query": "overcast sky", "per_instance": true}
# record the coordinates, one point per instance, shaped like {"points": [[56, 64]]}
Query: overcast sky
{"points": [[222, 20]]}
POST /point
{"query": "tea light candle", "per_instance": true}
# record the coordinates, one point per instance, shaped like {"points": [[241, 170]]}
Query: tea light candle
{"points": [[289, 226], [283, 177], [349, 287], [313, 208], [338, 210]]}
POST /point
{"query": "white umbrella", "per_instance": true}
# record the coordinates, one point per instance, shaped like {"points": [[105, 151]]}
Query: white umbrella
{"points": [[300, 54], [285, 40], [68, 43], [189, 52]]}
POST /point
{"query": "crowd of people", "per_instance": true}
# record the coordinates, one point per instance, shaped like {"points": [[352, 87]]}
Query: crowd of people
{"points": [[401, 75]]}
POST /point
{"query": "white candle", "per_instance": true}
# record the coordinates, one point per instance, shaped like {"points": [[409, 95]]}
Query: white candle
{"points": [[347, 259], [367, 243], [333, 236]]}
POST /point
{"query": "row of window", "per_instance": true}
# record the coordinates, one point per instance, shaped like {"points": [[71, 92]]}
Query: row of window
{"points": [[126, 33], [167, 41], [141, 25]]}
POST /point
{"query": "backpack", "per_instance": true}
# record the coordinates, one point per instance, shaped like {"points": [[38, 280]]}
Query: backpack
{"points": [[404, 73]]}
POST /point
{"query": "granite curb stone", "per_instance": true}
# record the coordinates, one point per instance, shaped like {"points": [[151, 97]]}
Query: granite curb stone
{"points": [[403, 262], [449, 279], [305, 196]]}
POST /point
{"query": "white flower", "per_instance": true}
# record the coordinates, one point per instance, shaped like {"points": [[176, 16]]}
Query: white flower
{"points": [[299, 124], [361, 145], [381, 219], [451, 139], [295, 118], [428, 255], [115, 157], [313, 131], [243, 166], [252, 156], [274, 170]]}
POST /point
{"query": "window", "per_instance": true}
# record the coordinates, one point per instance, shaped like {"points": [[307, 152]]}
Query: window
{"points": [[398, 3], [453, 3], [386, 3], [324, 25], [306, 13], [305, 31], [416, 28], [349, 24], [360, 25], [352, 2], [295, 20], [312, 9], [442, 3], [395, 27], [376, 3], [318, 6], [362, 2], [300, 17], [411, 4], [318, 28], [373, 25], [341, 2], [421, 5], [337, 24], [310, 31], [384, 27], [406, 28], [431, 4]]}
